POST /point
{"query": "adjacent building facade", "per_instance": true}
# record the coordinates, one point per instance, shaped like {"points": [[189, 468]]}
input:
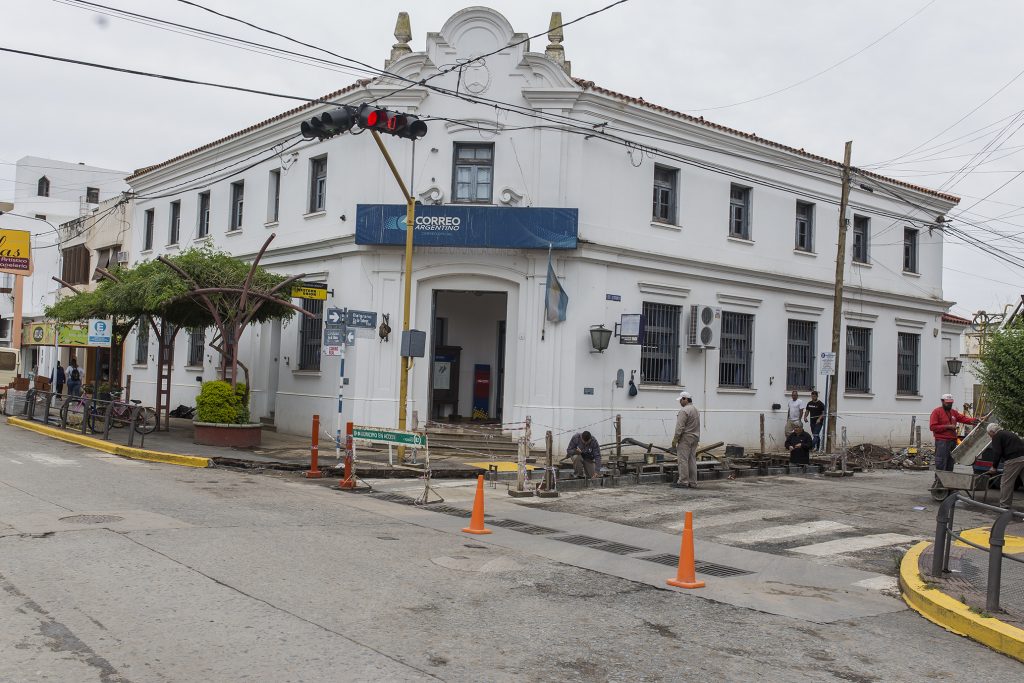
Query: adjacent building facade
{"points": [[721, 245]]}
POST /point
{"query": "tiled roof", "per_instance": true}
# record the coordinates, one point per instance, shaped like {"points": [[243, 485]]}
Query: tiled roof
{"points": [[955, 319], [326, 98], [699, 120]]}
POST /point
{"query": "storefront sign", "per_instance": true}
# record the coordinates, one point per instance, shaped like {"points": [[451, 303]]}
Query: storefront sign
{"points": [[100, 332], [15, 252], [73, 335], [449, 225], [314, 293], [41, 334]]}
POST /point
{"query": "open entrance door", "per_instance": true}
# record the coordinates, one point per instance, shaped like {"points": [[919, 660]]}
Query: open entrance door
{"points": [[468, 355]]}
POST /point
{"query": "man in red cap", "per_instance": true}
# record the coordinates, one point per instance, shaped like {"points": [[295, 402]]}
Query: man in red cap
{"points": [[943, 423]]}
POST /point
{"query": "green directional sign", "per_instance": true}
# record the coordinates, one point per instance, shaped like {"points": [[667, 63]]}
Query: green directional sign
{"points": [[387, 436]]}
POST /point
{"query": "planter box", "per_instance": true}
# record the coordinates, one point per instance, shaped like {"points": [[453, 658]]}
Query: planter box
{"points": [[233, 436]]}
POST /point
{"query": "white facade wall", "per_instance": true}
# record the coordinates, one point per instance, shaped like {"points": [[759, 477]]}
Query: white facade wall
{"points": [[620, 252]]}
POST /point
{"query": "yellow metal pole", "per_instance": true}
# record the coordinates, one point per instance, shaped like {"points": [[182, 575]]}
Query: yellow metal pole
{"points": [[410, 217]]}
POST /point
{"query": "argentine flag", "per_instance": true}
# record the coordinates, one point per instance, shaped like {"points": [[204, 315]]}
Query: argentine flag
{"points": [[555, 298]]}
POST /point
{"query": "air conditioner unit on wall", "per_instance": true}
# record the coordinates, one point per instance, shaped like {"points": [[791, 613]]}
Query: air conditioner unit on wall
{"points": [[705, 327], [122, 257]]}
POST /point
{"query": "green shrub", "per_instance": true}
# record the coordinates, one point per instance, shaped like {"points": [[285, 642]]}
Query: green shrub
{"points": [[220, 404]]}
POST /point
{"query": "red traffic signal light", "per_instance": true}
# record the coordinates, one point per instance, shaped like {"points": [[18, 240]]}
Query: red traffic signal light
{"points": [[391, 122], [329, 124]]}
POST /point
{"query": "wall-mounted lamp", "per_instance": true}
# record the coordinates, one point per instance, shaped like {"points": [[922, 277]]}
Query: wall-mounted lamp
{"points": [[600, 336], [954, 365]]}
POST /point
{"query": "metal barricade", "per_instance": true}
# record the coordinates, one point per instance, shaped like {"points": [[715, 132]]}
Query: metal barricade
{"points": [[944, 536], [98, 415]]}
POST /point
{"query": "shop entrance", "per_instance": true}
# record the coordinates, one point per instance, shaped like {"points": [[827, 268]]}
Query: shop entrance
{"points": [[468, 355]]}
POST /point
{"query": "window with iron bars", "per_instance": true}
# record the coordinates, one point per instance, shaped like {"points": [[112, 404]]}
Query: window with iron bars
{"points": [[196, 345], [858, 359], [659, 355], [736, 349], [908, 362], [800, 354], [142, 342], [311, 332]]}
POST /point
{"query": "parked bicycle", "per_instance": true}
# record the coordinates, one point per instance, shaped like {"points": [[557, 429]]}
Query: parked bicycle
{"points": [[84, 407]]}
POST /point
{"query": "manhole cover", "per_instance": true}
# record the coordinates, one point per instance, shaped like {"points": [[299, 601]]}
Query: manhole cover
{"points": [[91, 519]]}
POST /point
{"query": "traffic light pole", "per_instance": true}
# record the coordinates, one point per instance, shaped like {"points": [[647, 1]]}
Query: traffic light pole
{"points": [[410, 216]]}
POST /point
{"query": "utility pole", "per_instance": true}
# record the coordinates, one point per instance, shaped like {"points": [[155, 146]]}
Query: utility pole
{"points": [[837, 298]]}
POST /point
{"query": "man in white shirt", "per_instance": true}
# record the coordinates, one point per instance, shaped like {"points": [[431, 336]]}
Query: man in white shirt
{"points": [[795, 417]]}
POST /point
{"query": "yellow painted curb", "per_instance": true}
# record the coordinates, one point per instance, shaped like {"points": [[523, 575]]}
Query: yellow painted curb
{"points": [[113, 448], [953, 615]]}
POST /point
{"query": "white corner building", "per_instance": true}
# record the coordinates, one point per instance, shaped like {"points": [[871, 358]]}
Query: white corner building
{"points": [[724, 242]]}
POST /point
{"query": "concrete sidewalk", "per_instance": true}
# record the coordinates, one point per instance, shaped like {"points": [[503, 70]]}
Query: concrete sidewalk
{"points": [[956, 601]]}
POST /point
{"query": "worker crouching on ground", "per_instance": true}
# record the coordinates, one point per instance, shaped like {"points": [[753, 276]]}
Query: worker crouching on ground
{"points": [[685, 439], [586, 455], [1008, 447], [799, 444], [943, 423]]}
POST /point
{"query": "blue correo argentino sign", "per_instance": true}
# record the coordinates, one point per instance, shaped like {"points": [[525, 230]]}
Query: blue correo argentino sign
{"points": [[469, 226]]}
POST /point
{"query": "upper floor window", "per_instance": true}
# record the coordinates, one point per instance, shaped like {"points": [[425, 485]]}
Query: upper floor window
{"points": [[43, 187], [909, 250], [174, 229], [274, 196], [237, 202], [804, 226], [106, 258], [318, 184], [739, 212], [861, 232], [147, 229], [666, 190], [659, 356], [204, 215], [92, 195], [737, 347], [473, 175], [75, 267]]}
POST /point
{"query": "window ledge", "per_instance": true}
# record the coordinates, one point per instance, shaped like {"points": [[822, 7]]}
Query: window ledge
{"points": [[204, 238], [661, 387], [804, 252], [306, 373], [740, 240], [314, 214], [270, 224], [666, 226], [858, 395], [172, 245], [909, 397], [232, 233], [145, 252], [736, 390], [860, 264], [141, 366], [193, 368], [911, 273]]}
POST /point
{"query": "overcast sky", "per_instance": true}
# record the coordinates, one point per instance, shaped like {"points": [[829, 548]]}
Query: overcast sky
{"points": [[691, 55]]}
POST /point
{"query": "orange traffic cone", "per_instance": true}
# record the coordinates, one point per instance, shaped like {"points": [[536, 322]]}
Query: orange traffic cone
{"points": [[476, 522], [686, 576]]}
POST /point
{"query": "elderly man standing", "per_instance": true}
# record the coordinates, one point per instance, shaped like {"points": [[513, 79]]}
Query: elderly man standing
{"points": [[685, 439], [1008, 447]]}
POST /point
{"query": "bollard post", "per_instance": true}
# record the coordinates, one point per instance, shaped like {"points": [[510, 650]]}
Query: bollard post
{"points": [[918, 438], [913, 428], [941, 532], [762, 433], [618, 435], [127, 388], [996, 541], [549, 489], [349, 482], [314, 452]]}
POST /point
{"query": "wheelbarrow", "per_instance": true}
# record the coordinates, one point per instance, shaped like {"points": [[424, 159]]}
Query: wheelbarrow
{"points": [[948, 482]]}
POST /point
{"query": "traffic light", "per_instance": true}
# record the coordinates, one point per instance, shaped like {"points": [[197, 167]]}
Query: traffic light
{"points": [[391, 122], [329, 124]]}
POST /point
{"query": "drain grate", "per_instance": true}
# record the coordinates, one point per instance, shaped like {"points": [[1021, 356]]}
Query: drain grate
{"points": [[601, 544], [522, 527], [447, 510], [91, 519], [709, 568], [393, 498]]}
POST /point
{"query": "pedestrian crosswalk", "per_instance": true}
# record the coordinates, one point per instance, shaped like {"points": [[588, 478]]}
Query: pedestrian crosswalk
{"points": [[849, 545]]}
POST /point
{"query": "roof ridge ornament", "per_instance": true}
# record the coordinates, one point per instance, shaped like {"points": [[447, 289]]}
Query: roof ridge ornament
{"points": [[555, 51], [403, 34]]}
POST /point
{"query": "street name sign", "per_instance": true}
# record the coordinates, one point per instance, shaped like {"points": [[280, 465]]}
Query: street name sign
{"points": [[364, 319], [387, 436], [335, 316]]}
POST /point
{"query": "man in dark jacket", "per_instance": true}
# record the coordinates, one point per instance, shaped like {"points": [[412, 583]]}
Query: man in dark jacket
{"points": [[586, 455], [59, 378], [1008, 447], [799, 444]]}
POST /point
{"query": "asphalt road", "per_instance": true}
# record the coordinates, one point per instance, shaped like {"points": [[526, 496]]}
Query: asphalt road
{"points": [[217, 575]]}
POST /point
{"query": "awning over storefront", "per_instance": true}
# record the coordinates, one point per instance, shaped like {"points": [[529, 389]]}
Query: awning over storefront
{"points": [[449, 225]]}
